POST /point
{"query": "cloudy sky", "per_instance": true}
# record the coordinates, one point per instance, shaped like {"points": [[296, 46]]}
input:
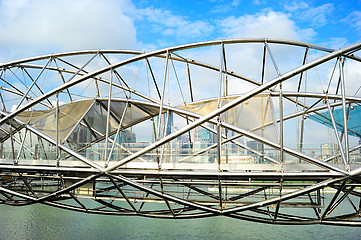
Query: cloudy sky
{"points": [[34, 27]]}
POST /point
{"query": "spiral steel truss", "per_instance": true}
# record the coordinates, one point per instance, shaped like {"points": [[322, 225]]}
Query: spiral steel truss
{"points": [[256, 129]]}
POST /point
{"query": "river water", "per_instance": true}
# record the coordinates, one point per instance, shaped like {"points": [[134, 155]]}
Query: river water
{"points": [[44, 222]]}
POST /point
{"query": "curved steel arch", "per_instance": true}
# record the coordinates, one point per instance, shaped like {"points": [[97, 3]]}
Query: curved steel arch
{"points": [[228, 155], [333, 54]]}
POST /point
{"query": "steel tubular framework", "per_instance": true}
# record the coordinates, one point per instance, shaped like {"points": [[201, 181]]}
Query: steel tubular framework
{"points": [[261, 130]]}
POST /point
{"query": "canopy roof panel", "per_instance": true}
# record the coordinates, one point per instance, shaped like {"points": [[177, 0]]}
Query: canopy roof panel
{"points": [[69, 116], [251, 115], [93, 111], [353, 121]]}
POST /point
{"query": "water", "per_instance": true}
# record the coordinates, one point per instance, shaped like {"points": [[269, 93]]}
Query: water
{"points": [[44, 222]]}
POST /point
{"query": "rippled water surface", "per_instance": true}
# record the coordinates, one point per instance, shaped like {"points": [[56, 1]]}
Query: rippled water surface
{"points": [[44, 222]]}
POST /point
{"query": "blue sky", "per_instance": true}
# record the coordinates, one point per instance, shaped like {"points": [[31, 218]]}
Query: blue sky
{"points": [[315, 21], [34, 27]]}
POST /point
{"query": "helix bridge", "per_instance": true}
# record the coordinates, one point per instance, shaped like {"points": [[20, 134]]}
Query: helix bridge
{"points": [[261, 130]]}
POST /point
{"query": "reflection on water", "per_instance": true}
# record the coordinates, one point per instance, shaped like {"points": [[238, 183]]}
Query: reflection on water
{"points": [[43, 222]]}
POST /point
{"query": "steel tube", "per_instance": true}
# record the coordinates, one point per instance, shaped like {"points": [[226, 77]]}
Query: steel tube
{"points": [[236, 102]]}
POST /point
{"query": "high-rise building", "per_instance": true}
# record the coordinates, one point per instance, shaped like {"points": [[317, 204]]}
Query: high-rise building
{"points": [[168, 118], [127, 136], [203, 138]]}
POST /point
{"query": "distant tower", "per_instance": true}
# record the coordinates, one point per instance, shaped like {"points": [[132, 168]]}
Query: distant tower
{"points": [[203, 138], [168, 127]]}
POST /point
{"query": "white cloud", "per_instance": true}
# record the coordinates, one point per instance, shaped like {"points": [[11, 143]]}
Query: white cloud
{"points": [[318, 16], [42, 25], [268, 24], [169, 24], [354, 20], [235, 3], [336, 42], [246, 59], [295, 6], [221, 9], [352, 77], [259, 2]]}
